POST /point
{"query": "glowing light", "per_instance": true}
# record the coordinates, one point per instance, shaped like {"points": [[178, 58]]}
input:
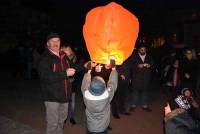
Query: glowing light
{"points": [[110, 32]]}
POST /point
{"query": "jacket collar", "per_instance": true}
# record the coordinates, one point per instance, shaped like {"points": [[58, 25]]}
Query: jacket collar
{"points": [[89, 96], [53, 53], [174, 113]]}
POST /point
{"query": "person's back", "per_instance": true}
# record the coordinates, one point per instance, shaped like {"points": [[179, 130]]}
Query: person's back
{"points": [[97, 98], [97, 111]]}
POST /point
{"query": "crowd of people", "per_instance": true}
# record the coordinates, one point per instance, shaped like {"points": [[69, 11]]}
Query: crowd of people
{"points": [[105, 88], [181, 81]]}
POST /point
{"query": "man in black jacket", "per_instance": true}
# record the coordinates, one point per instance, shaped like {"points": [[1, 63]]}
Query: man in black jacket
{"points": [[141, 67], [54, 72]]}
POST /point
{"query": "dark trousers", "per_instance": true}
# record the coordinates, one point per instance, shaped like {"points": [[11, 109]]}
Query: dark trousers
{"points": [[139, 96], [119, 101]]}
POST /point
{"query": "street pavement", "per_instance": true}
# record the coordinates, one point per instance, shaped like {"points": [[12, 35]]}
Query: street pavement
{"points": [[22, 111]]}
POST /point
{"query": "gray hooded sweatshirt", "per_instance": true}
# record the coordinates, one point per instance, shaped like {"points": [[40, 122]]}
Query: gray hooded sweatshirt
{"points": [[98, 107]]}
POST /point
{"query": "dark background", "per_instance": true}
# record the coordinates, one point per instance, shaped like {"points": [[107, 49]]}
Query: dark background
{"points": [[29, 22], [38, 17]]}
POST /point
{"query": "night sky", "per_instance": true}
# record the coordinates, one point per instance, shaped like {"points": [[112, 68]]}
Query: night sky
{"points": [[67, 16]]}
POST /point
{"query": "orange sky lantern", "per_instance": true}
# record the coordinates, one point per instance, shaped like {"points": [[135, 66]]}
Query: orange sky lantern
{"points": [[110, 32]]}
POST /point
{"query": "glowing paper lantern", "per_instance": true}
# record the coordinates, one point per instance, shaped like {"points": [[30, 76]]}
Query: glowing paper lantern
{"points": [[110, 32]]}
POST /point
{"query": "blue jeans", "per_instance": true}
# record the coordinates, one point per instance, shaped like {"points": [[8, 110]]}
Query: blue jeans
{"points": [[136, 98], [104, 132], [71, 109]]}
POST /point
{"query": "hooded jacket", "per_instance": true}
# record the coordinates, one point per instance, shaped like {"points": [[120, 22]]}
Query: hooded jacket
{"points": [[98, 107]]}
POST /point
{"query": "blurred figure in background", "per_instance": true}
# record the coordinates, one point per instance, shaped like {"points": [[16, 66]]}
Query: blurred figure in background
{"points": [[73, 62], [188, 71], [119, 101], [170, 74], [198, 77], [28, 55]]}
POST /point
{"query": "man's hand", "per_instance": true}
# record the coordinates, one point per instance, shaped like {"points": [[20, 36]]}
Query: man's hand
{"points": [[194, 103], [70, 71], [140, 65], [148, 66], [123, 77], [167, 109], [89, 65], [187, 76]]}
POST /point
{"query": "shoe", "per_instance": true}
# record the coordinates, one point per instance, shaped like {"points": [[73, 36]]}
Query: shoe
{"points": [[132, 109], [116, 116], [147, 109], [109, 128], [125, 113], [72, 121]]}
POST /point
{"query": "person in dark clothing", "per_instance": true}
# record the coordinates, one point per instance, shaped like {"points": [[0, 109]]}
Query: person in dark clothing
{"points": [[119, 101], [141, 66], [19, 63], [101, 70], [188, 71], [72, 60], [198, 76], [54, 74], [178, 119], [28, 57]]}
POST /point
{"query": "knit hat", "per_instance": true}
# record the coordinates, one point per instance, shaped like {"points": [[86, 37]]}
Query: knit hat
{"points": [[52, 35], [97, 87], [179, 102]]}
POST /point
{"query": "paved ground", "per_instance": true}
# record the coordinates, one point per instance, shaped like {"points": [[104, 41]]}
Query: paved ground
{"points": [[8, 126], [22, 109]]}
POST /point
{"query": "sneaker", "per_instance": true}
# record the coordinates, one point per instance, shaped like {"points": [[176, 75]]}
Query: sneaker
{"points": [[125, 113], [72, 121]]}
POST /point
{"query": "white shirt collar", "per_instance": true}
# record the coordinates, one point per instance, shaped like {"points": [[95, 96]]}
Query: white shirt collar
{"points": [[142, 57], [55, 53]]}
